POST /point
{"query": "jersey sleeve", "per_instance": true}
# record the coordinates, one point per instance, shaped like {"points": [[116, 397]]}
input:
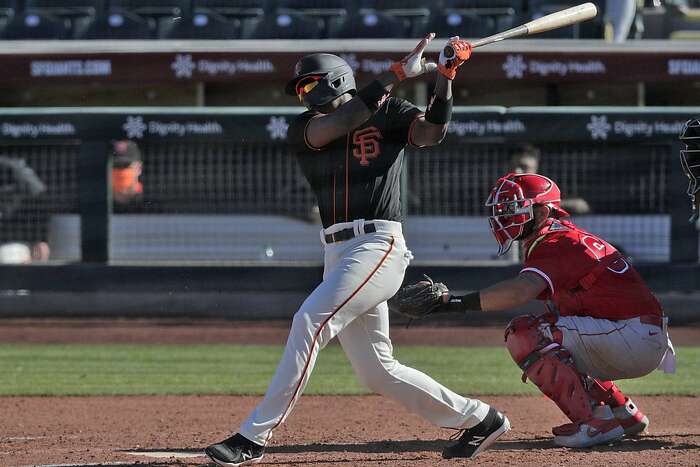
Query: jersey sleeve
{"points": [[401, 115], [552, 262], [296, 134]]}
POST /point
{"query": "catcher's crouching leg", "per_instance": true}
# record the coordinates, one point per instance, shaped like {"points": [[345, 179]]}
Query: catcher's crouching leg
{"points": [[551, 368], [632, 419]]}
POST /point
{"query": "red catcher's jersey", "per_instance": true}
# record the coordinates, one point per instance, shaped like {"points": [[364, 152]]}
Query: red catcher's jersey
{"points": [[562, 254]]}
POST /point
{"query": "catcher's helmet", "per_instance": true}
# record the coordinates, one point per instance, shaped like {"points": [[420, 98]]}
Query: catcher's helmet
{"points": [[690, 160], [320, 78], [511, 201]]}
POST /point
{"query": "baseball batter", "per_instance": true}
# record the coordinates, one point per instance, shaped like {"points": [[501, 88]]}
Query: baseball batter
{"points": [[350, 146], [602, 321]]}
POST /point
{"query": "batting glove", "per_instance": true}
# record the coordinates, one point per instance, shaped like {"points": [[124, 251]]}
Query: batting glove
{"points": [[414, 64], [455, 52]]}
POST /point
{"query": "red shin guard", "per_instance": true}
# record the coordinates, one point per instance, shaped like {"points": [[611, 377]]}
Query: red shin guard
{"points": [[550, 367]]}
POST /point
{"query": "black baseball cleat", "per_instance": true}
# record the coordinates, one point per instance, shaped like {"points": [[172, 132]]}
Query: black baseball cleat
{"points": [[235, 451], [473, 441]]}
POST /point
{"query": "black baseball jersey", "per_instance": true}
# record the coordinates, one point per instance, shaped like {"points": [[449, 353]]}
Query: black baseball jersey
{"points": [[358, 175]]}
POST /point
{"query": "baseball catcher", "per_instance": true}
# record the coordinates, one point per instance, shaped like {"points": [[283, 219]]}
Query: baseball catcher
{"points": [[690, 161], [602, 322]]}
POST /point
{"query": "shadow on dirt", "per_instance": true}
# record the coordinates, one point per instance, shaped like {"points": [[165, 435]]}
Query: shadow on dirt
{"points": [[645, 443]]}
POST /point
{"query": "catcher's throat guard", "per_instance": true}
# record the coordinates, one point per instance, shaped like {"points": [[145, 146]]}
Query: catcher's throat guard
{"points": [[690, 161], [511, 205]]}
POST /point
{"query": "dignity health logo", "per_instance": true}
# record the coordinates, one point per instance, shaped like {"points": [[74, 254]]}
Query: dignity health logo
{"points": [[184, 66], [515, 67], [599, 127], [277, 127], [136, 128]]}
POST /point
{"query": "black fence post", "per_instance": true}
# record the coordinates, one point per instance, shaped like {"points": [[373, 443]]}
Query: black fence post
{"points": [[684, 235], [95, 198]]}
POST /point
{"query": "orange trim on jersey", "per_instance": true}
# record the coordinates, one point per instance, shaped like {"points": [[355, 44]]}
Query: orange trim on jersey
{"points": [[306, 141], [347, 176], [318, 332], [410, 131]]}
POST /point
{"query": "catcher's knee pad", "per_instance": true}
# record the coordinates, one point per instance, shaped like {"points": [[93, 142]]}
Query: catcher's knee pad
{"points": [[549, 366]]}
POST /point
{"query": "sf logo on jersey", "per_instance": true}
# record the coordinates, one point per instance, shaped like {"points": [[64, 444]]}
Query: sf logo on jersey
{"points": [[366, 144]]}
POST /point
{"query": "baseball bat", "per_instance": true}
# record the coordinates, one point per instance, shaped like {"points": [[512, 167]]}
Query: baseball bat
{"points": [[555, 20]]}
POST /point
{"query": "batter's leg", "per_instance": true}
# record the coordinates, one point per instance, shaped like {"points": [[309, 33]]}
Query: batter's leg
{"points": [[367, 344], [364, 275]]}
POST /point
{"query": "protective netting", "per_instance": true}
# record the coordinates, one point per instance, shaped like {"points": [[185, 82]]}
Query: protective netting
{"points": [[228, 201]]}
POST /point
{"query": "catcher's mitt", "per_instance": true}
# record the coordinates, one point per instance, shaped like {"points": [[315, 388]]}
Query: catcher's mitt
{"points": [[419, 300]]}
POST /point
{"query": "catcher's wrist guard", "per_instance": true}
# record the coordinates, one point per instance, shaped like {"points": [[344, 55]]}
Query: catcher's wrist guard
{"points": [[439, 111], [464, 303], [373, 95]]}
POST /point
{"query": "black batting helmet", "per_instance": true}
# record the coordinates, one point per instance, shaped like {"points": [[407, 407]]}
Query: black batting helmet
{"points": [[320, 78], [690, 160]]}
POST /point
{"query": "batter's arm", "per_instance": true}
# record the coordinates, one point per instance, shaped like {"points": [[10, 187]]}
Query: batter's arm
{"points": [[425, 133], [340, 118], [431, 129], [326, 128]]}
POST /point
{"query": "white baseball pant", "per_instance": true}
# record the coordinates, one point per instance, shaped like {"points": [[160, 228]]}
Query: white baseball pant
{"points": [[360, 274], [611, 350]]}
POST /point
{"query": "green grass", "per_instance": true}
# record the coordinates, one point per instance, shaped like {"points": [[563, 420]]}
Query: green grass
{"points": [[235, 369]]}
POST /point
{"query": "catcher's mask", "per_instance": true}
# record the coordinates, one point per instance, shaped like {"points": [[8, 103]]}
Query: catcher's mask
{"points": [[511, 202], [319, 78], [690, 161]]}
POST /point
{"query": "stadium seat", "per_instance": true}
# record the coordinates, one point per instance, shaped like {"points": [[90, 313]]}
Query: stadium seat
{"points": [[371, 24], [201, 25], [681, 22], [151, 8], [35, 25], [516, 5], [7, 10], [238, 9], [462, 23], [74, 9], [311, 4], [115, 24], [328, 12], [415, 13], [288, 25]]}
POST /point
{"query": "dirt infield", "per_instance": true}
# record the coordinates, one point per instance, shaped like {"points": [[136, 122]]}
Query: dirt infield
{"points": [[350, 430]]}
